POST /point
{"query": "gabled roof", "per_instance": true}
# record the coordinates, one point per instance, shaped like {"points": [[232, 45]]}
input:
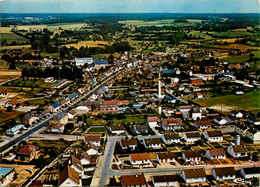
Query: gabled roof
{"points": [[167, 155], [192, 134], [170, 121], [152, 141], [61, 115], [217, 152], [225, 171], [55, 105], [118, 127], [192, 154], [89, 146], [203, 123], [13, 101], [194, 173], [153, 119], [27, 149], [239, 149], [73, 95], [129, 142], [215, 133], [90, 138], [139, 156], [165, 178], [141, 127], [68, 172], [133, 180], [72, 112], [171, 136], [76, 162]]}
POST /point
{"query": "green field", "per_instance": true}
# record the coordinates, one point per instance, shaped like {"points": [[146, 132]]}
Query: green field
{"points": [[97, 130], [231, 34], [248, 101], [235, 59], [30, 83], [11, 37], [4, 64]]}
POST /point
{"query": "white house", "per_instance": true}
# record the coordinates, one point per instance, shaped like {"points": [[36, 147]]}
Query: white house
{"points": [[194, 175], [119, 129], [86, 159], [191, 156], [139, 129], [226, 173], [237, 151], [81, 110], [171, 138], [131, 143], [75, 163], [185, 108], [202, 124], [213, 136], [152, 143], [220, 120], [58, 128], [216, 154], [139, 158], [94, 139], [69, 177], [195, 113], [90, 149], [165, 157], [133, 180], [165, 180], [153, 121], [250, 172], [172, 124], [72, 114], [191, 137], [236, 114]]}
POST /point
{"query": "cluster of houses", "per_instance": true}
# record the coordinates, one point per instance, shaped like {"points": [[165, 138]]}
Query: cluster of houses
{"points": [[189, 176]]}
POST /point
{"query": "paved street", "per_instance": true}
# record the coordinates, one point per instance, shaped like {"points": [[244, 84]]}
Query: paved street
{"points": [[102, 172]]}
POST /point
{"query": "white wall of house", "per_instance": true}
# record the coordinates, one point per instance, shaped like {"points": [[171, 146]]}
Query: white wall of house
{"points": [[84, 162], [191, 140], [117, 131], [171, 140], [210, 157], [92, 152], [235, 155], [153, 124], [69, 182], [195, 116], [248, 176], [193, 180], [157, 184], [227, 177]]}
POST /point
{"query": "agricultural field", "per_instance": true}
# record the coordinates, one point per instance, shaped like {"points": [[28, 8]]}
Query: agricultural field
{"points": [[232, 59], [248, 101], [89, 44], [143, 23], [236, 47], [11, 37], [4, 115], [16, 47], [231, 34]]}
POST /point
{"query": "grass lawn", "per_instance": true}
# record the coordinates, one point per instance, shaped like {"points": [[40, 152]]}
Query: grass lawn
{"points": [[97, 130], [4, 64], [51, 143], [130, 119], [248, 101]]}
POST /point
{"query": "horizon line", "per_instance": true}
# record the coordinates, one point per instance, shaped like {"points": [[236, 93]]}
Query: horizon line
{"points": [[130, 13]]}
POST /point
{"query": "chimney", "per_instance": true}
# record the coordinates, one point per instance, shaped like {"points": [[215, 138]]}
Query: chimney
{"points": [[238, 139]]}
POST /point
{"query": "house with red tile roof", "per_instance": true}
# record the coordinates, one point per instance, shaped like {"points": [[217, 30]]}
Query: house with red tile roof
{"points": [[191, 156], [139, 158], [172, 124], [194, 175], [226, 173], [165, 157], [129, 143], [153, 121], [216, 154], [28, 152], [237, 151], [94, 139], [133, 180]]}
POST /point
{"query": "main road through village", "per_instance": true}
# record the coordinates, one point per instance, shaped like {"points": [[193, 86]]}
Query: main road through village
{"points": [[8, 143]]}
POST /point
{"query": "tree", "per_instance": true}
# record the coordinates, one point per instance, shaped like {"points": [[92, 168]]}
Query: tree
{"points": [[9, 108]]}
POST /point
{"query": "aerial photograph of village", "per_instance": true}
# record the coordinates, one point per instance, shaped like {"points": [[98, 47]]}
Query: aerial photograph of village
{"points": [[130, 93]]}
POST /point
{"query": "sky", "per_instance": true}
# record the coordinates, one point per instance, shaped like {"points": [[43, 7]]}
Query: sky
{"points": [[129, 6]]}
